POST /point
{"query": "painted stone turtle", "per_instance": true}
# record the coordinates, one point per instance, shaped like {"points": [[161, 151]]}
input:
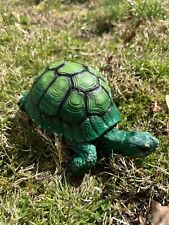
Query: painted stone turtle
{"points": [[75, 100]]}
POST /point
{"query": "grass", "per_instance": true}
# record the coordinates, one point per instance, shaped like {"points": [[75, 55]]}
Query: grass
{"points": [[128, 42]]}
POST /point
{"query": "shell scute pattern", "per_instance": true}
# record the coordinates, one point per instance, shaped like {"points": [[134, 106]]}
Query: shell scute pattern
{"points": [[71, 99], [112, 115], [55, 65], [85, 81], [96, 73], [106, 88], [98, 101], [54, 96], [98, 124], [88, 130], [74, 107], [33, 111], [71, 68], [41, 85]]}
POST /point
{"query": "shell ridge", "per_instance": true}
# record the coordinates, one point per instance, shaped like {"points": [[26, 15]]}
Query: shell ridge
{"points": [[45, 91], [96, 75], [72, 75], [39, 78], [86, 109], [93, 127], [106, 91], [93, 89], [57, 67], [64, 100]]}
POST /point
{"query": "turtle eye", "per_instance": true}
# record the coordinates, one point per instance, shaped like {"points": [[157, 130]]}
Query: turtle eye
{"points": [[144, 148]]}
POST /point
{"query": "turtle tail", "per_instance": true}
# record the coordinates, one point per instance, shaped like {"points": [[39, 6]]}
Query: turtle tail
{"points": [[22, 100]]}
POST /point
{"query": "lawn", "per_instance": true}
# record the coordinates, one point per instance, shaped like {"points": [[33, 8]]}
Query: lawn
{"points": [[128, 42]]}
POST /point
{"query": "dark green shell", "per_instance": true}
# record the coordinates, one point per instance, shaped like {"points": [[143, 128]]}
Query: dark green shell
{"points": [[74, 100]]}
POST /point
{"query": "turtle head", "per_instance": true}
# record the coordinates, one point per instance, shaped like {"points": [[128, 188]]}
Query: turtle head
{"points": [[141, 143]]}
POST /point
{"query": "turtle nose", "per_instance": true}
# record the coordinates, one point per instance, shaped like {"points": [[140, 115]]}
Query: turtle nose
{"points": [[155, 143]]}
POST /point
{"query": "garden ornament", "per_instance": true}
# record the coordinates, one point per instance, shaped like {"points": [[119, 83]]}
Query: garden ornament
{"points": [[75, 100]]}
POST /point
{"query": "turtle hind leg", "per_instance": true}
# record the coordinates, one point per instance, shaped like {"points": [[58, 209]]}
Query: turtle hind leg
{"points": [[22, 100], [84, 159]]}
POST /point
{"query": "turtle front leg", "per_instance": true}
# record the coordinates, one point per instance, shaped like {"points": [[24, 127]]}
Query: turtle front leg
{"points": [[84, 159], [130, 143]]}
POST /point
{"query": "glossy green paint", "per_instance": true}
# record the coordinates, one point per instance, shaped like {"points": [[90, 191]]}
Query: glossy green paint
{"points": [[85, 81], [54, 96], [87, 130], [105, 86], [70, 100], [130, 143], [112, 116], [41, 85], [71, 68], [39, 75], [54, 65], [33, 112], [74, 107], [98, 101], [85, 159], [76, 101], [96, 72], [98, 124]]}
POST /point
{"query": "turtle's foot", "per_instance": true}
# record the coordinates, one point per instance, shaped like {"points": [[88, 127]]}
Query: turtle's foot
{"points": [[130, 143], [22, 100], [84, 159]]}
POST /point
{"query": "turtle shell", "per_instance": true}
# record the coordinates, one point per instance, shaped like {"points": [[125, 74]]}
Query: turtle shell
{"points": [[74, 100]]}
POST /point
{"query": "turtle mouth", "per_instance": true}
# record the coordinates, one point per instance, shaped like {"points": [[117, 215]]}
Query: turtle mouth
{"points": [[146, 149]]}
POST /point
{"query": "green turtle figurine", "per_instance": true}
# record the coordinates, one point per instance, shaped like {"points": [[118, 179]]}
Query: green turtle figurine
{"points": [[75, 100]]}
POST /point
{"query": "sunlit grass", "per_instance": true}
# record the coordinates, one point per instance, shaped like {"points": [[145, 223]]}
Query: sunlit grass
{"points": [[128, 42]]}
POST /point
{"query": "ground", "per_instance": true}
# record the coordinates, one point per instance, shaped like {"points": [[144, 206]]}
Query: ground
{"points": [[128, 42]]}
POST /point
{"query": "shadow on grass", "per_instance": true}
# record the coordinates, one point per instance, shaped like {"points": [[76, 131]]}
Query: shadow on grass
{"points": [[101, 171], [29, 146]]}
